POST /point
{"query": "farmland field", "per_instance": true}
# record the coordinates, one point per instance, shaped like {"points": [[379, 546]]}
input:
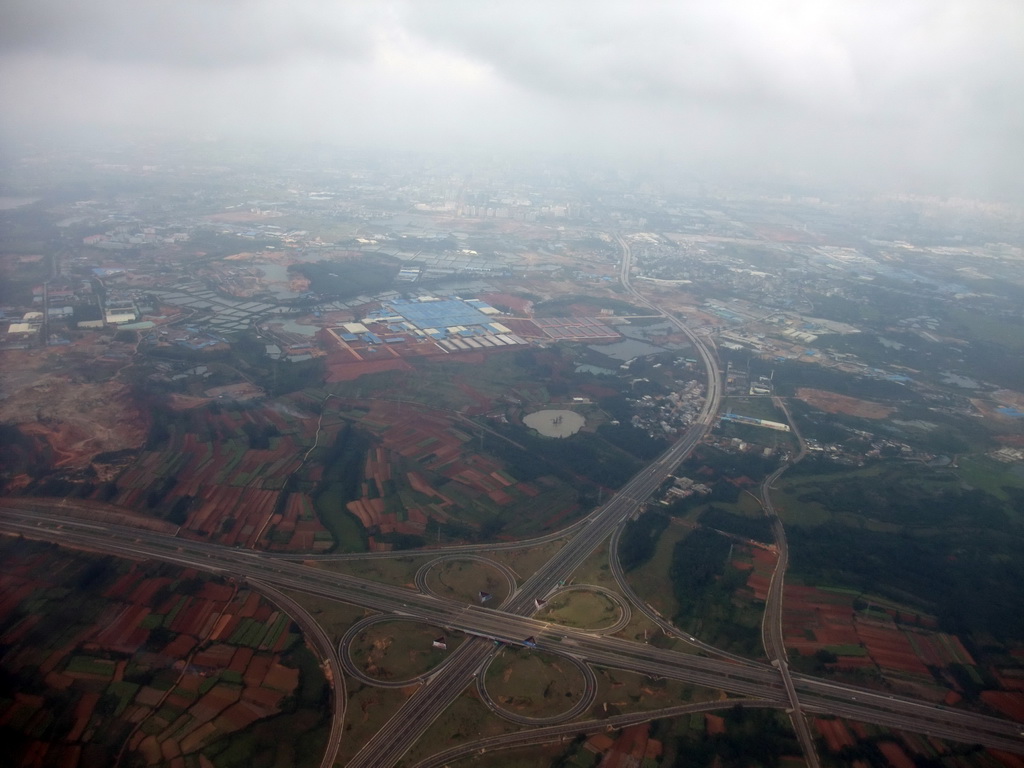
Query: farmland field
{"points": [[437, 457], [147, 660], [422, 478], [228, 474]]}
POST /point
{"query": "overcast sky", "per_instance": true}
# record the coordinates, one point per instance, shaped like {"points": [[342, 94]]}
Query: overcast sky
{"points": [[898, 93]]}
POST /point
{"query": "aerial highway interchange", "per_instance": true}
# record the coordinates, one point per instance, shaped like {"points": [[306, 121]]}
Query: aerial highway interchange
{"points": [[770, 685], [750, 679]]}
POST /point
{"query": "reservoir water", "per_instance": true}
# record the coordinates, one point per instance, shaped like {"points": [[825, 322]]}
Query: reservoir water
{"points": [[555, 423]]}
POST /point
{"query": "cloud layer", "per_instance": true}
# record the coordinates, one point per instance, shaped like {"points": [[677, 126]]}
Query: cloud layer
{"points": [[896, 93]]}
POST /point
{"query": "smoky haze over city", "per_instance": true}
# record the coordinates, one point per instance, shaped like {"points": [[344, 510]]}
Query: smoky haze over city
{"points": [[920, 96], [576, 384]]}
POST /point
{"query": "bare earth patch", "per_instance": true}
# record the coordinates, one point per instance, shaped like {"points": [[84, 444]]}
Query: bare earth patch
{"points": [[77, 419], [830, 402]]}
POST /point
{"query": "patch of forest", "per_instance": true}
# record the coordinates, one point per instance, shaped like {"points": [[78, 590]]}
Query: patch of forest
{"points": [[908, 495], [956, 549], [972, 580], [703, 584], [584, 454], [639, 539], [755, 528], [753, 737], [342, 474]]}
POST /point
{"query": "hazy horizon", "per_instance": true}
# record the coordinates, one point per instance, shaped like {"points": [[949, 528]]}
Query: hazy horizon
{"points": [[918, 96]]}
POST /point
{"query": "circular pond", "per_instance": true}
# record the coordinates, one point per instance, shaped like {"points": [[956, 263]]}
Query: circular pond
{"points": [[555, 423]]}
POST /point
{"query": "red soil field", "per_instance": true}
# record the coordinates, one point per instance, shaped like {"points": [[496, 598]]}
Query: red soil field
{"points": [[814, 619], [715, 724], [1010, 703], [514, 303], [525, 328], [1008, 759], [831, 402], [835, 734], [123, 625], [436, 443], [761, 573], [631, 748], [233, 489], [350, 371], [895, 755]]}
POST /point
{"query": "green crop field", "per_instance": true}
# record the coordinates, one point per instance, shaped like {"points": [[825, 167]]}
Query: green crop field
{"points": [[650, 579], [755, 407], [994, 477]]}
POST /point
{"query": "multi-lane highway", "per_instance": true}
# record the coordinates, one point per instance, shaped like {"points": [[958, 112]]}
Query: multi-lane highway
{"points": [[564, 733], [747, 679], [440, 690], [330, 659], [514, 622], [435, 695], [771, 624]]}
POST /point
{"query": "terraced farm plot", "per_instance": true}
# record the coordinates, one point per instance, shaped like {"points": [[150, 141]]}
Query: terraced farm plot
{"points": [[222, 473], [842, 737], [152, 660], [878, 635], [427, 473]]}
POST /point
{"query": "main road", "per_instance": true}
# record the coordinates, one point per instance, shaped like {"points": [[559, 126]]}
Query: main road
{"points": [[745, 679], [431, 699], [772, 626], [513, 622]]}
